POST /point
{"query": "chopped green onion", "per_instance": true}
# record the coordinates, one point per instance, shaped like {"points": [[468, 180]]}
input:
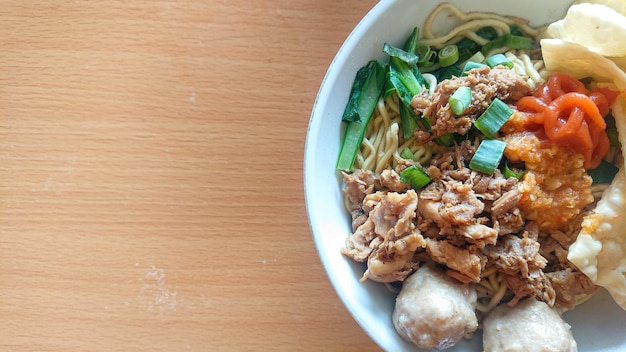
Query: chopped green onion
{"points": [[470, 65], [368, 98], [409, 58], [508, 172], [460, 100], [498, 59], [428, 59], [430, 69], [488, 156], [424, 53], [477, 57], [604, 173], [507, 41], [449, 55], [408, 154], [408, 120], [415, 176], [490, 122]]}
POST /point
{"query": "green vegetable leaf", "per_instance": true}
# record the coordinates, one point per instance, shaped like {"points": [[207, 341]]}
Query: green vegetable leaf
{"points": [[370, 92]]}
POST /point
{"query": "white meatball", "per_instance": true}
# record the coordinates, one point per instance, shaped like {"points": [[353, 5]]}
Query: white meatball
{"points": [[433, 310], [529, 326]]}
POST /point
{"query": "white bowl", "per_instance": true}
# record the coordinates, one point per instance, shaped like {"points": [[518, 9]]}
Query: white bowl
{"points": [[598, 325]]}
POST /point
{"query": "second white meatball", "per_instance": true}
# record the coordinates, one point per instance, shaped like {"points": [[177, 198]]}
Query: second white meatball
{"points": [[529, 326]]}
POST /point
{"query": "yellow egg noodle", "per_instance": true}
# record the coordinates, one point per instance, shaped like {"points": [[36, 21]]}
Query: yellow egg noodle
{"points": [[471, 22]]}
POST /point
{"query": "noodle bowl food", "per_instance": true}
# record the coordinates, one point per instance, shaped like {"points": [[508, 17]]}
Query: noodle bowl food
{"points": [[481, 165]]}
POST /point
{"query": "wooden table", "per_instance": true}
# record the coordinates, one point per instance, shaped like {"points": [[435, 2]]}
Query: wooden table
{"points": [[151, 194]]}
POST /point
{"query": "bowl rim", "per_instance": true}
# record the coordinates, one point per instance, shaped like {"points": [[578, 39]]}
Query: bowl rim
{"points": [[323, 95]]}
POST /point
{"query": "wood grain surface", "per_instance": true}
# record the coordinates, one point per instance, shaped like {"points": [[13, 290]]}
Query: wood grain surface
{"points": [[151, 194]]}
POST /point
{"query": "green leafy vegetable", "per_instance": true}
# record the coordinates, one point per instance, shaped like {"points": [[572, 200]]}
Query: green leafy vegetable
{"points": [[351, 111], [488, 33], [604, 173], [411, 43], [369, 94], [408, 120], [509, 41], [611, 131], [467, 47], [498, 59], [406, 79], [409, 58], [448, 72], [446, 139]]}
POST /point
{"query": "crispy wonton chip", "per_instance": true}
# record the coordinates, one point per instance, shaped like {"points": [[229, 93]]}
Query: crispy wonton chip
{"points": [[597, 27], [600, 249]]}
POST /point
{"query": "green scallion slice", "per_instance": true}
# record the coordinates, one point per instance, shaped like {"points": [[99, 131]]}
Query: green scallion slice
{"points": [[498, 59], [490, 122], [408, 154], [470, 65], [460, 100], [425, 55], [448, 56], [415, 176], [488, 156], [477, 57]]}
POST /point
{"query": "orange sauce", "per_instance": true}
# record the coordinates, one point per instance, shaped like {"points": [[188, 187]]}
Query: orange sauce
{"points": [[556, 187]]}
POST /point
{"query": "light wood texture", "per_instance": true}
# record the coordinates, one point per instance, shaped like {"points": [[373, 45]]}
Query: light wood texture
{"points": [[151, 194]]}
